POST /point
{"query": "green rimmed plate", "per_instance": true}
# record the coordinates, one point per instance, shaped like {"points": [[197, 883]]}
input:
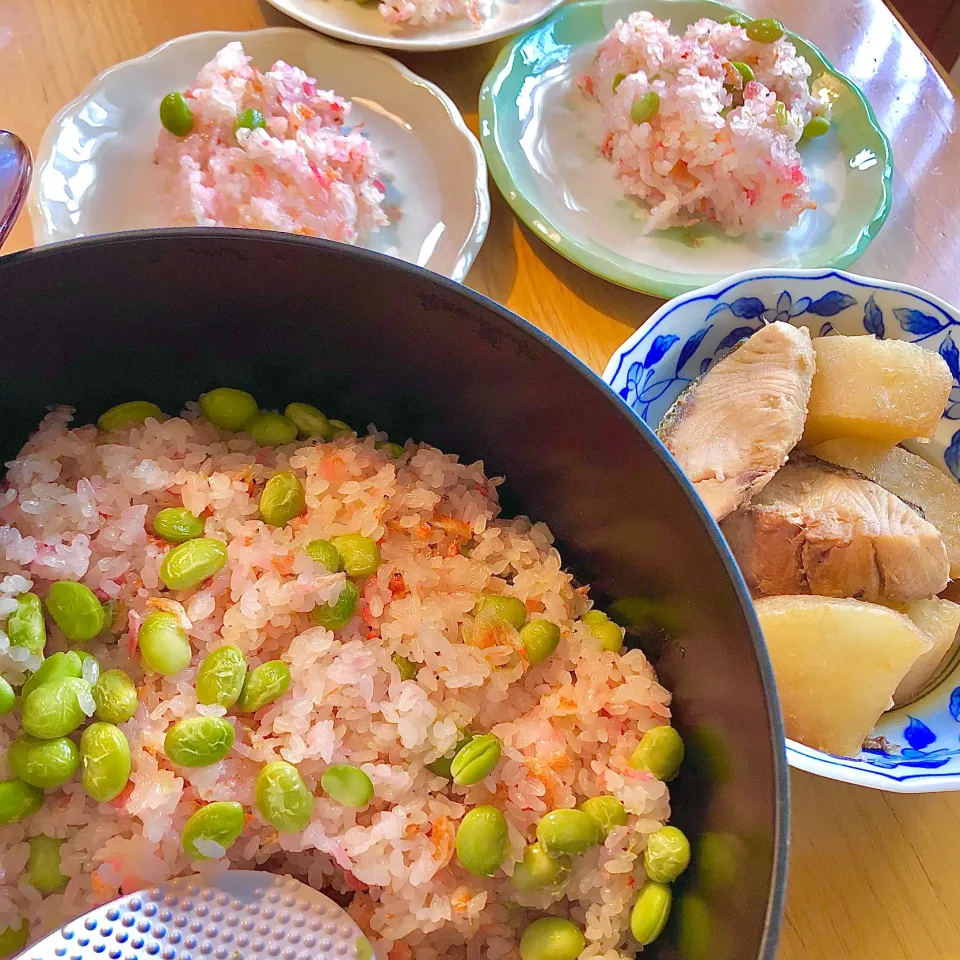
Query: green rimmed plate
{"points": [[540, 137]]}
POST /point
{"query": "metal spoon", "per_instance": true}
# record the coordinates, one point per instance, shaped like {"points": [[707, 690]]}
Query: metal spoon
{"points": [[16, 169], [229, 915]]}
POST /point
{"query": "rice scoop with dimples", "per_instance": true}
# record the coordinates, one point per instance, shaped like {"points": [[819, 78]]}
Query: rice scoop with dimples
{"points": [[704, 126], [363, 677], [266, 149]]}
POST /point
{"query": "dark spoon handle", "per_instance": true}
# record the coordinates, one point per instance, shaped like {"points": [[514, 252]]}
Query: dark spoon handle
{"points": [[16, 169]]}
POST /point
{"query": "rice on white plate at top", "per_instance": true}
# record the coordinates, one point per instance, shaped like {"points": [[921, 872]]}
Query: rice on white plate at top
{"points": [[300, 170], [705, 125], [430, 13], [423, 659]]}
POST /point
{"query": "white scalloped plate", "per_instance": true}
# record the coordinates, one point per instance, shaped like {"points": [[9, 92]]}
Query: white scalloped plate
{"points": [[95, 171], [362, 23]]}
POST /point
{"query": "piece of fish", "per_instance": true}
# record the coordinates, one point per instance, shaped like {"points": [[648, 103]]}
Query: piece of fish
{"points": [[821, 529], [731, 431]]}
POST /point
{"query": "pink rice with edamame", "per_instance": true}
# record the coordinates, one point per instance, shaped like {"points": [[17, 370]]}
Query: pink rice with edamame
{"points": [[78, 504], [304, 172], [720, 148]]}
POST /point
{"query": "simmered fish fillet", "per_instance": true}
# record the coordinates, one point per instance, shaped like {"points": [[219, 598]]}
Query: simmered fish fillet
{"points": [[820, 529], [734, 429]]}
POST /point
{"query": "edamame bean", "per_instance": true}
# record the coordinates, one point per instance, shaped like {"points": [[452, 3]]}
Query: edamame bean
{"points": [[540, 638], [617, 80], [282, 499], [362, 948], [56, 666], [659, 752], [496, 605], [347, 784], [482, 841], [567, 831], [177, 525], [43, 763], [227, 408], [650, 912], [359, 555], [476, 760], [76, 610], [43, 864], [816, 127], [176, 115], [115, 696], [667, 854], [57, 708], [164, 645], [249, 119], [736, 19], [189, 564], [645, 107], [105, 761], [552, 938], [8, 697], [407, 668], [718, 861], [441, 766], [606, 812], [323, 551], [340, 429], [744, 69], [539, 871], [25, 626], [765, 30], [271, 429], [14, 939], [604, 629], [392, 449], [338, 614], [18, 800], [134, 411], [780, 111], [282, 797], [221, 676], [263, 685], [220, 823], [198, 741], [310, 422]]}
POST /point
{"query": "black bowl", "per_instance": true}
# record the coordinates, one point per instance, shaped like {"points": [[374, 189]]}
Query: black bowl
{"points": [[165, 315]]}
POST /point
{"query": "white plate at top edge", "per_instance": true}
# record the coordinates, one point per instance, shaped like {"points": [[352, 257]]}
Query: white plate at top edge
{"points": [[95, 171], [362, 23]]}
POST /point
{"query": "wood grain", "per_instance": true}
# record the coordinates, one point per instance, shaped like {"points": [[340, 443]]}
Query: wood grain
{"points": [[873, 875]]}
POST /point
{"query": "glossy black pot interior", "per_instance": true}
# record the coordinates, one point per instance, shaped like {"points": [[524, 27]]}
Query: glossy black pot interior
{"points": [[166, 315]]}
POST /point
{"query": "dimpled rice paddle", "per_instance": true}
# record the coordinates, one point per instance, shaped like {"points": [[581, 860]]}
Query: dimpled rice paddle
{"points": [[234, 915]]}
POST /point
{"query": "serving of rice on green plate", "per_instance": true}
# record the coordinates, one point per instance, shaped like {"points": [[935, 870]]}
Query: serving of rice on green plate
{"points": [[424, 661]]}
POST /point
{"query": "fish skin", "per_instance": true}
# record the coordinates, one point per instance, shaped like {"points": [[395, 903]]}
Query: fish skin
{"points": [[821, 529], [734, 428]]}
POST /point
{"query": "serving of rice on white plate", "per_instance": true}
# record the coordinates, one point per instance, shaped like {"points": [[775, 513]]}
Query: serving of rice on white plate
{"points": [[355, 148], [417, 24], [719, 145], [301, 169], [78, 504], [662, 149]]}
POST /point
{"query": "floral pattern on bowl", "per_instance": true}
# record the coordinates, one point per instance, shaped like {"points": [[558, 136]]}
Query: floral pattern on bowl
{"points": [[916, 748]]}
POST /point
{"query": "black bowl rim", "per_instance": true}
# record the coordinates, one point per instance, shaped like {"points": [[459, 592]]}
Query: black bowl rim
{"points": [[777, 895]]}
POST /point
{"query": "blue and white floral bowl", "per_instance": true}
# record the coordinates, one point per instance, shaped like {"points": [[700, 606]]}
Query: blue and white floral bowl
{"points": [[681, 341]]}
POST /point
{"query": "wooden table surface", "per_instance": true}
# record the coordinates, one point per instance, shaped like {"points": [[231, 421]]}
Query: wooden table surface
{"points": [[872, 875]]}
